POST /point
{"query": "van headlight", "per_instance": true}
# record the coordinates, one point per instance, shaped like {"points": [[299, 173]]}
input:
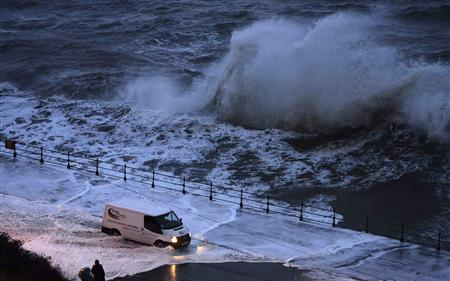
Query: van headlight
{"points": [[174, 239]]}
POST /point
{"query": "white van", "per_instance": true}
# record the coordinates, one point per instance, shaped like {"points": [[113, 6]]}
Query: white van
{"points": [[145, 222]]}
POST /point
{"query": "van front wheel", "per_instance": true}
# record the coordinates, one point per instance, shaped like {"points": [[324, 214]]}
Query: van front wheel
{"points": [[115, 232], [160, 244]]}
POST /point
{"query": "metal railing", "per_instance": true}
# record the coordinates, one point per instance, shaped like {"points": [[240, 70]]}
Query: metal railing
{"points": [[253, 201]]}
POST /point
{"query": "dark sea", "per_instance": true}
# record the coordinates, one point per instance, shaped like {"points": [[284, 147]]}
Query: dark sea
{"points": [[342, 104]]}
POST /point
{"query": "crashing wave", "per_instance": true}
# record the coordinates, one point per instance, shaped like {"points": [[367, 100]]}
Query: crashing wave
{"points": [[282, 74]]}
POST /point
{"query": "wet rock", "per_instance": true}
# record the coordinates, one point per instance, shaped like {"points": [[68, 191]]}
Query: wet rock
{"points": [[41, 104], [7, 90], [100, 154], [77, 121], [98, 182], [89, 134], [106, 128], [224, 139], [121, 112], [37, 119], [151, 163], [244, 165], [20, 120], [138, 128], [64, 148], [177, 168], [45, 113], [128, 158]]}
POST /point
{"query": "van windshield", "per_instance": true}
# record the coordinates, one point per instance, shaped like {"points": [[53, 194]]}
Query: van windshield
{"points": [[169, 220]]}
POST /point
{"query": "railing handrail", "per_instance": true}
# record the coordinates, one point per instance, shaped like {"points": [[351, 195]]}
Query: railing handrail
{"points": [[218, 190]]}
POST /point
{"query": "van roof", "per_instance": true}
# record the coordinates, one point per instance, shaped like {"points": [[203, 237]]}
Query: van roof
{"points": [[146, 207]]}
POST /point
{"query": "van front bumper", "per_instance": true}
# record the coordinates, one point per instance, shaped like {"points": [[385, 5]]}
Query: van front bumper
{"points": [[182, 241]]}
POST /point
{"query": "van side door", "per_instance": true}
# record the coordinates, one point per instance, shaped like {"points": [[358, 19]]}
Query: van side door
{"points": [[151, 231]]}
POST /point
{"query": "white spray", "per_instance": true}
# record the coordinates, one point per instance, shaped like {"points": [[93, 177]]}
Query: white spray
{"points": [[315, 78], [330, 76]]}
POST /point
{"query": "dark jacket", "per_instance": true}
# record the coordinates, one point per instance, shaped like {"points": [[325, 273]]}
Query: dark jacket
{"points": [[99, 273]]}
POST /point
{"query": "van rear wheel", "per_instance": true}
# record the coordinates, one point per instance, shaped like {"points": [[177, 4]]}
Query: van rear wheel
{"points": [[115, 232]]}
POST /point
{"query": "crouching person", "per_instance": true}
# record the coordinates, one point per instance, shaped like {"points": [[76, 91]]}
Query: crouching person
{"points": [[85, 274]]}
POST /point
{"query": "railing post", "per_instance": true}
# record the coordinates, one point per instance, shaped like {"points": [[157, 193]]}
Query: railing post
{"points": [[42, 155], [125, 172], [96, 167], [438, 246], [334, 218], [184, 185], [11, 144], [367, 224], [210, 191], [402, 234], [153, 178], [267, 205], [68, 160], [241, 204], [301, 211]]}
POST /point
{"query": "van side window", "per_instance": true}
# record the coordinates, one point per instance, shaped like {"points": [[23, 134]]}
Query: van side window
{"points": [[151, 224]]}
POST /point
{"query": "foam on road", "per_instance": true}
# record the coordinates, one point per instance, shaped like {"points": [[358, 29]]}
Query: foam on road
{"points": [[58, 213]]}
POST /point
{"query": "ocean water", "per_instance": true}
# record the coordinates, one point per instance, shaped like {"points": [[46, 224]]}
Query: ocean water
{"points": [[284, 96]]}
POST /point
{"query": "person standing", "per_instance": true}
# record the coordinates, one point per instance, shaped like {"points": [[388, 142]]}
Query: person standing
{"points": [[98, 272]]}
